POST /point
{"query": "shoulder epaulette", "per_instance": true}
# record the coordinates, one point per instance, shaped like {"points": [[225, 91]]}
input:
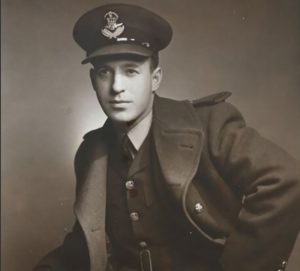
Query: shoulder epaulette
{"points": [[212, 99]]}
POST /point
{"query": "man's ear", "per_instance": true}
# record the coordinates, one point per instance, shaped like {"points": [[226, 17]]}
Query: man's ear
{"points": [[156, 78], [92, 76]]}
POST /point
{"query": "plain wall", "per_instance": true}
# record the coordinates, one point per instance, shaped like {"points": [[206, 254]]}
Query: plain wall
{"points": [[251, 48]]}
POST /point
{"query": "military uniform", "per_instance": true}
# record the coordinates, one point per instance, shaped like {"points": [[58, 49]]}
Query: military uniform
{"points": [[203, 192]]}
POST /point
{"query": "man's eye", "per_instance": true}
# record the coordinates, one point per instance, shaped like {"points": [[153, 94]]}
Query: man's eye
{"points": [[131, 72], [103, 72]]}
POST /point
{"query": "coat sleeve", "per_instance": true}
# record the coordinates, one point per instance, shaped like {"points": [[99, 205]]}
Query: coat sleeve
{"points": [[269, 180]]}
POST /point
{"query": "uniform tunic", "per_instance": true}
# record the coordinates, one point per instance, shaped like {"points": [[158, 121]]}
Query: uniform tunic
{"points": [[136, 220]]}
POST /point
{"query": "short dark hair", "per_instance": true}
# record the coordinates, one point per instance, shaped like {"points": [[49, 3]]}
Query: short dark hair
{"points": [[154, 59]]}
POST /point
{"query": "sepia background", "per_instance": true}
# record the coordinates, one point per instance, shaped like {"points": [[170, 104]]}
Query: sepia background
{"points": [[251, 48]]}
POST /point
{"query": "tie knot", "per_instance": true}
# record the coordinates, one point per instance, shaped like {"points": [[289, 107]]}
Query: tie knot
{"points": [[129, 150]]}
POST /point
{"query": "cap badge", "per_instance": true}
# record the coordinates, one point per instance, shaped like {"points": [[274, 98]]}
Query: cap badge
{"points": [[112, 29]]}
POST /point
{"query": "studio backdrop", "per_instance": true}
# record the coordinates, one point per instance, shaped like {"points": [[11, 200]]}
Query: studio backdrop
{"points": [[250, 48]]}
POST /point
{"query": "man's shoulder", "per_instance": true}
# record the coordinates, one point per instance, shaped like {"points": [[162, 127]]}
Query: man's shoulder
{"points": [[215, 109], [212, 110], [92, 142], [212, 99], [205, 101], [98, 135]]}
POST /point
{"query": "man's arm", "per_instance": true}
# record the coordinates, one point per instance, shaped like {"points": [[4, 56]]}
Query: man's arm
{"points": [[51, 262], [269, 179], [71, 255]]}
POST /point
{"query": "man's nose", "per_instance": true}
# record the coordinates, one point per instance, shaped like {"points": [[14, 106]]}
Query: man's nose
{"points": [[118, 83]]}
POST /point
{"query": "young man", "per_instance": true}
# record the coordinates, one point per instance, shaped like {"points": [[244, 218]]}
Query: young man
{"points": [[165, 184]]}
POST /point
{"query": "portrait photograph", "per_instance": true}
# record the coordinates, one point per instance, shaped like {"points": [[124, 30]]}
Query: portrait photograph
{"points": [[150, 135]]}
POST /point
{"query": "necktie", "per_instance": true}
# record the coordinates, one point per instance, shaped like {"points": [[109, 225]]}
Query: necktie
{"points": [[128, 149]]}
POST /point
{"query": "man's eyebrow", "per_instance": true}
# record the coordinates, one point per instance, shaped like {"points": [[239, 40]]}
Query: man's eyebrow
{"points": [[132, 65], [102, 66]]}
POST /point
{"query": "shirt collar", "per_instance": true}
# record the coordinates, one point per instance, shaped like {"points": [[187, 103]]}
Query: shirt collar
{"points": [[139, 132]]}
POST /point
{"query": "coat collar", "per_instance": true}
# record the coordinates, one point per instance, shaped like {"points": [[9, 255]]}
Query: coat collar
{"points": [[178, 139], [91, 199]]}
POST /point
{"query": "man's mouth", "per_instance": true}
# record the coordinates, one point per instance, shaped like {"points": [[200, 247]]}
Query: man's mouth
{"points": [[119, 102]]}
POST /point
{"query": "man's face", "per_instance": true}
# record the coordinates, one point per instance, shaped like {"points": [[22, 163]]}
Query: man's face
{"points": [[125, 87]]}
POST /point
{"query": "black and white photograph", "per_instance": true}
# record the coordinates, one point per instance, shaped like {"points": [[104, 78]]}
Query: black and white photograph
{"points": [[150, 135]]}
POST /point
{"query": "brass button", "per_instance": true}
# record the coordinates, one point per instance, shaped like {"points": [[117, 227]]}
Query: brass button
{"points": [[283, 264], [129, 184], [198, 208], [143, 244], [134, 216]]}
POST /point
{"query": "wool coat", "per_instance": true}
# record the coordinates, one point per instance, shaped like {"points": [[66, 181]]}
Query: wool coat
{"points": [[248, 189]]}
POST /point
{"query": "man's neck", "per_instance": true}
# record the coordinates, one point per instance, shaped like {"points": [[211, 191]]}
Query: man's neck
{"points": [[137, 132]]}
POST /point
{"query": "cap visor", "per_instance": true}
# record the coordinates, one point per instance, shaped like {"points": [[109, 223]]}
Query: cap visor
{"points": [[117, 49]]}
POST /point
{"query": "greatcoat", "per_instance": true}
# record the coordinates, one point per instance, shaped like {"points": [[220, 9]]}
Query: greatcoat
{"points": [[248, 187]]}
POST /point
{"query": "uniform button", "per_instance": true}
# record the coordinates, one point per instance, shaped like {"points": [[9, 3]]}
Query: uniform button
{"points": [[129, 184], [283, 264], [198, 208], [143, 244], [134, 216], [280, 269]]}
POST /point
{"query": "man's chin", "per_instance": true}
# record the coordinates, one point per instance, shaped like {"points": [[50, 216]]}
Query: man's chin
{"points": [[122, 120], [122, 125]]}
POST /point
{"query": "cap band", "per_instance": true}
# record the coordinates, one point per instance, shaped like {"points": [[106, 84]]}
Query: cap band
{"points": [[121, 48]]}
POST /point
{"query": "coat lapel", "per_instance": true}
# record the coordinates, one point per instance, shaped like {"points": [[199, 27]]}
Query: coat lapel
{"points": [[178, 139], [90, 205]]}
